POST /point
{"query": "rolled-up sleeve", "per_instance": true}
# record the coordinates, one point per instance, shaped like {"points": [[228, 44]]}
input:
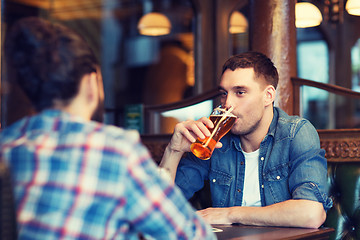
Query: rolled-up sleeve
{"points": [[308, 178]]}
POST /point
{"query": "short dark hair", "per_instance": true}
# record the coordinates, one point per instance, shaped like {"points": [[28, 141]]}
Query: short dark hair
{"points": [[48, 59], [261, 64]]}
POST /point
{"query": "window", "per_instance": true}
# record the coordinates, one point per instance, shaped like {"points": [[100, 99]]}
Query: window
{"points": [[313, 64], [239, 30]]}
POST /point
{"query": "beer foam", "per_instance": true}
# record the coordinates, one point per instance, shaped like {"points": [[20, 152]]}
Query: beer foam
{"points": [[224, 111], [225, 115]]}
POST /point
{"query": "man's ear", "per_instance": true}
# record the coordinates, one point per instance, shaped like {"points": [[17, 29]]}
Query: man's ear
{"points": [[269, 96], [91, 87], [86, 100]]}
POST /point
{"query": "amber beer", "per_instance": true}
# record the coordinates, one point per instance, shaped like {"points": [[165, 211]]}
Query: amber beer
{"points": [[203, 148]]}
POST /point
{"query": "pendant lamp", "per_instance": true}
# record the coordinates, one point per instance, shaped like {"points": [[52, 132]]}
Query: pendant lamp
{"points": [[307, 15], [154, 24], [238, 23], [353, 7]]}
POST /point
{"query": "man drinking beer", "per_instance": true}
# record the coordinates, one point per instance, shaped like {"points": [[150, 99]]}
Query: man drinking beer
{"points": [[268, 170]]}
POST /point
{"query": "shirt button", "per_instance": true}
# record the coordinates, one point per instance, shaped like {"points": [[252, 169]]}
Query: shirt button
{"points": [[241, 163], [214, 180], [262, 158], [262, 186], [239, 190], [278, 177]]}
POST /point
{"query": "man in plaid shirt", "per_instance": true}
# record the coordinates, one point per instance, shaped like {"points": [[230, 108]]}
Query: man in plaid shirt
{"points": [[75, 178]]}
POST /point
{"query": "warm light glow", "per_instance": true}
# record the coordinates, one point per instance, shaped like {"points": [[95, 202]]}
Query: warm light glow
{"points": [[307, 15], [238, 23], [154, 24], [353, 7]]}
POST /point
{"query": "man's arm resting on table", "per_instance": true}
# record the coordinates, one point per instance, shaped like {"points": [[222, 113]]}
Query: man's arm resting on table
{"points": [[290, 213]]}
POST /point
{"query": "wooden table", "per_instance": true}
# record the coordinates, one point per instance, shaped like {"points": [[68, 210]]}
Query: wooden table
{"points": [[243, 232]]}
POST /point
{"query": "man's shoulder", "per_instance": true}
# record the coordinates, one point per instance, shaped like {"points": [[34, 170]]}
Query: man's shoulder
{"points": [[286, 118], [109, 134], [115, 132], [289, 124], [61, 125], [12, 130]]}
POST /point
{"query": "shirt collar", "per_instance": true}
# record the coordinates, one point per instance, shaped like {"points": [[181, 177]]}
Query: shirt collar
{"points": [[274, 122], [57, 113]]}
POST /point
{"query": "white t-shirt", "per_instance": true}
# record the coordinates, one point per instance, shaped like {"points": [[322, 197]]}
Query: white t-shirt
{"points": [[251, 192]]}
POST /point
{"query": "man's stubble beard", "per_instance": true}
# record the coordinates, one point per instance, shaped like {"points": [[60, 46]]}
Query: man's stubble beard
{"points": [[244, 132]]}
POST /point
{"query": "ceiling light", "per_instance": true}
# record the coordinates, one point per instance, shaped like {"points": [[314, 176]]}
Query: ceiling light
{"points": [[154, 24], [307, 15], [353, 7], [238, 23]]}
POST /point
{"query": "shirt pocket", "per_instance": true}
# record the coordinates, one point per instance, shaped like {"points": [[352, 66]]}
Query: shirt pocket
{"points": [[220, 186], [276, 183]]}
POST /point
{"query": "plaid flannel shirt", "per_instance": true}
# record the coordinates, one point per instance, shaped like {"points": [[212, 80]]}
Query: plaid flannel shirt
{"points": [[75, 179]]}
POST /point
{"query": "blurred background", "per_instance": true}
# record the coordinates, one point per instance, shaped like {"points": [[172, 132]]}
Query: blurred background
{"points": [[163, 51]]}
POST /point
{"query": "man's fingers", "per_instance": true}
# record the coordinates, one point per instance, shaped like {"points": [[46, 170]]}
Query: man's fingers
{"points": [[187, 134], [197, 128], [207, 122]]}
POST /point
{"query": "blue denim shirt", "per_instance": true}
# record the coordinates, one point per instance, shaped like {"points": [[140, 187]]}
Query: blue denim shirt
{"points": [[291, 166]]}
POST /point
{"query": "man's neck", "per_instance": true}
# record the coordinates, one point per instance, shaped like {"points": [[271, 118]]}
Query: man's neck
{"points": [[251, 142], [74, 108]]}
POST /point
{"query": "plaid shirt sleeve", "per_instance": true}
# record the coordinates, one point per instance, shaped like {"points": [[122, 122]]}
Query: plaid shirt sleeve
{"points": [[156, 206]]}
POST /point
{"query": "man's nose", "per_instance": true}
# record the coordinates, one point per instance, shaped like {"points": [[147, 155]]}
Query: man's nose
{"points": [[228, 102]]}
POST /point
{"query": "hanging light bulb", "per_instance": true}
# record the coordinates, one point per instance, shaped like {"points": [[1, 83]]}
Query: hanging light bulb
{"points": [[154, 24], [353, 7], [238, 23], [307, 15]]}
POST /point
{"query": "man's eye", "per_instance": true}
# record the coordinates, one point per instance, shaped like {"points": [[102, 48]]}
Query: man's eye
{"points": [[223, 94], [240, 92]]}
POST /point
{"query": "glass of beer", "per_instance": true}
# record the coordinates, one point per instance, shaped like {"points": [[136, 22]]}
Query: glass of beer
{"points": [[223, 120]]}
